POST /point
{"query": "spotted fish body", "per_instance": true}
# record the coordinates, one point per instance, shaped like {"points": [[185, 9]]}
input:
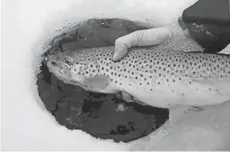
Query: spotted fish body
{"points": [[162, 76]]}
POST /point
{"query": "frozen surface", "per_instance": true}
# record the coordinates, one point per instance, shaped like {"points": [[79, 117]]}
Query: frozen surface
{"points": [[26, 28]]}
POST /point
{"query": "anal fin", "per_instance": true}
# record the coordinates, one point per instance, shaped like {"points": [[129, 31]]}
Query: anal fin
{"points": [[175, 114]]}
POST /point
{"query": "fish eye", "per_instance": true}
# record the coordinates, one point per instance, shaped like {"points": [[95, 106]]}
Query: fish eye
{"points": [[68, 61]]}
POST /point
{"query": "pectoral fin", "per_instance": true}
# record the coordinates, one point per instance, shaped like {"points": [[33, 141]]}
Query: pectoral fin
{"points": [[100, 84]]}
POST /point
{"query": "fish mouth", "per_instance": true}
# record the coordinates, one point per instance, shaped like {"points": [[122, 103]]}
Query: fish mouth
{"points": [[55, 67]]}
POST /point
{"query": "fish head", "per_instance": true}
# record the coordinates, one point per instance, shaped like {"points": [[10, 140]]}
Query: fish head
{"points": [[68, 67]]}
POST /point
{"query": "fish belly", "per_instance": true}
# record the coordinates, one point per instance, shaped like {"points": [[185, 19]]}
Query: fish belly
{"points": [[198, 93]]}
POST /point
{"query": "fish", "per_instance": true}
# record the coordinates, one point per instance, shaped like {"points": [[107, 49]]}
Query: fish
{"points": [[173, 73]]}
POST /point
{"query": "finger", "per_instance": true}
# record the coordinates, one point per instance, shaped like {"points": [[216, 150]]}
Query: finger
{"points": [[152, 36], [121, 49], [139, 102], [127, 97], [118, 95]]}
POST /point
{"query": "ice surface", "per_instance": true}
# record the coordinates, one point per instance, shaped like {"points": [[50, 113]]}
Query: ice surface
{"points": [[27, 27]]}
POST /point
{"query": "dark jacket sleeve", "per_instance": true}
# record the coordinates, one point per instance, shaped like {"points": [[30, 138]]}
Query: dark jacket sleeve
{"points": [[208, 21]]}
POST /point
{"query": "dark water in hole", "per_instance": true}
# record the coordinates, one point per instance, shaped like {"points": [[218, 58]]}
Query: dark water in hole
{"points": [[102, 116]]}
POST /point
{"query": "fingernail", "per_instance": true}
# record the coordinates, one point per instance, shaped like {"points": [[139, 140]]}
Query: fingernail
{"points": [[115, 56]]}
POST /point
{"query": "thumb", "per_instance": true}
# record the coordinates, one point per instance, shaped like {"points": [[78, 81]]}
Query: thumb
{"points": [[121, 49]]}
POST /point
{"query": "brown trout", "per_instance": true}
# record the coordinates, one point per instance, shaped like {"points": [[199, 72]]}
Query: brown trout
{"points": [[172, 73]]}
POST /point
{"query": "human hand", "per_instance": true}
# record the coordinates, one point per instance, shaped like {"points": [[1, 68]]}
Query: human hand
{"points": [[147, 37], [129, 98]]}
